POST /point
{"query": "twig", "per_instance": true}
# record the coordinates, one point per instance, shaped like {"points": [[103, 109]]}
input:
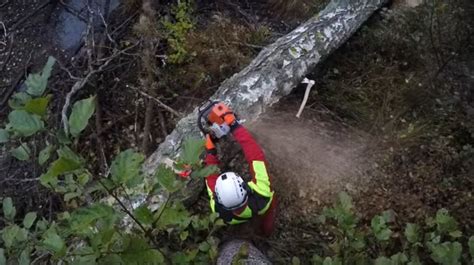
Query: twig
{"points": [[4, 4], [25, 18], [67, 71], [247, 45], [9, 55], [130, 214], [109, 126], [310, 84], [162, 210], [163, 105], [124, 208], [5, 35], [146, 128], [98, 126], [161, 118], [81, 83], [10, 91]]}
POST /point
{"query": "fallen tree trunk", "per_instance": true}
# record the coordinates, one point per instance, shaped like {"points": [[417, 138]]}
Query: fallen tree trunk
{"points": [[276, 70]]}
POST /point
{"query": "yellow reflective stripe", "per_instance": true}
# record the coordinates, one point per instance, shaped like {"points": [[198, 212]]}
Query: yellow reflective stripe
{"points": [[212, 203], [235, 221], [262, 179], [264, 210], [246, 213]]}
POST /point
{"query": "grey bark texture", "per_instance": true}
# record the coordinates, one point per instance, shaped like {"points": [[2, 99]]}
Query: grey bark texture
{"points": [[273, 74], [231, 251]]}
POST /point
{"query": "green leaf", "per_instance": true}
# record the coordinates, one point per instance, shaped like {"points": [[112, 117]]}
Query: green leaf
{"points": [[330, 261], [174, 216], [205, 171], [295, 261], [68, 161], [139, 251], [71, 195], [3, 260], [25, 257], [36, 83], [470, 244], [82, 110], [204, 246], [45, 154], [9, 235], [388, 216], [316, 260], [22, 152], [167, 178], [126, 168], [83, 219], [62, 137], [9, 210], [444, 222], [399, 258], [447, 253], [455, 234], [383, 261], [345, 201], [54, 243], [411, 233], [380, 229], [4, 136], [24, 123], [18, 100], [83, 179], [67, 153], [38, 106], [22, 235], [183, 235], [111, 259], [144, 215], [29, 219], [60, 166], [192, 150]]}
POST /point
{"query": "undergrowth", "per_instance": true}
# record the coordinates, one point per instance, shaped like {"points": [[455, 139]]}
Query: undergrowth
{"points": [[385, 241], [102, 222], [295, 10], [403, 79], [215, 52]]}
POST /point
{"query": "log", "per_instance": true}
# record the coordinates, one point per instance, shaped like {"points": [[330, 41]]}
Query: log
{"points": [[273, 74], [241, 252]]}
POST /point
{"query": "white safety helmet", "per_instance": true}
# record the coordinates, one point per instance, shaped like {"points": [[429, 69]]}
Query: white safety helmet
{"points": [[231, 191]]}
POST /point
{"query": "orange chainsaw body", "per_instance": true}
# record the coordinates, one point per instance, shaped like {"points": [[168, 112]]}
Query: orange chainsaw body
{"points": [[217, 113]]}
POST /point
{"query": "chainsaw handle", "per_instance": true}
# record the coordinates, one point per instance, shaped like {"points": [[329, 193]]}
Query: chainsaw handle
{"points": [[202, 112]]}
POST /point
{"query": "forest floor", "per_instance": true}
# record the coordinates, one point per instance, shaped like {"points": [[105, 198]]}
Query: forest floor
{"points": [[375, 126]]}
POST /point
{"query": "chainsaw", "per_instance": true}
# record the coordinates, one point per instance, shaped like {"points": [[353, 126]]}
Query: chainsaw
{"points": [[211, 119]]}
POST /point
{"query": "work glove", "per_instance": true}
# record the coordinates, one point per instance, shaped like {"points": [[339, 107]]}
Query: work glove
{"points": [[231, 120], [210, 147]]}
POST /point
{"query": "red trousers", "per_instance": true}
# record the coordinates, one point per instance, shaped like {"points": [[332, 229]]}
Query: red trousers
{"points": [[267, 225]]}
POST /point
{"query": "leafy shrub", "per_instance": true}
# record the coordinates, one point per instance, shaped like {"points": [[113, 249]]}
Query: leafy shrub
{"points": [[438, 239], [101, 225], [176, 31]]}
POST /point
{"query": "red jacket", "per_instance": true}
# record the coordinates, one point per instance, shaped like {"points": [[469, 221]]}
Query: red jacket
{"points": [[260, 183]]}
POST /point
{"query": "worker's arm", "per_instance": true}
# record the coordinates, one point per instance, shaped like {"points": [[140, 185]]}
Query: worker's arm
{"points": [[211, 159], [256, 159]]}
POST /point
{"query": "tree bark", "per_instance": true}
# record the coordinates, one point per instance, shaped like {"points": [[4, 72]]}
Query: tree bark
{"points": [[273, 74]]}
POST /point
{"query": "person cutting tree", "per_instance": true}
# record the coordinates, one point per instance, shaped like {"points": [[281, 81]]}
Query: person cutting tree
{"points": [[235, 200]]}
